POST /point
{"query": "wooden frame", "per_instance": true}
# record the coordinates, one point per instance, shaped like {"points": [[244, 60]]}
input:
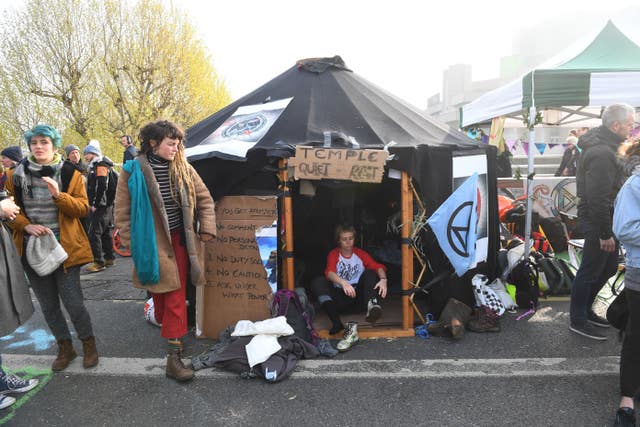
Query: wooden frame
{"points": [[406, 329]]}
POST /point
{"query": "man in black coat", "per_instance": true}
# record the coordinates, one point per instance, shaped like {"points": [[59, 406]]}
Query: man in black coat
{"points": [[597, 181], [100, 209]]}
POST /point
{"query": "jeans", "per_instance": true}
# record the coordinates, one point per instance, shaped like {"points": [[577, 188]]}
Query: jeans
{"points": [[65, 286], [630, 354], [595, 269]]}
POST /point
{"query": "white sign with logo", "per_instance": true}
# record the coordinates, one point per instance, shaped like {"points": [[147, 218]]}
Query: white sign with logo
{"points": [[242, 130]]}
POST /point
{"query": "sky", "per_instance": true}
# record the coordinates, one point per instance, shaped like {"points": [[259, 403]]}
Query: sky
{"points": [[402, 45]]}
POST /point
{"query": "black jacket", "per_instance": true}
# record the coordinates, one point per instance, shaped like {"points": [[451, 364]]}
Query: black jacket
{"points": [[598, 179], [97, 182]]}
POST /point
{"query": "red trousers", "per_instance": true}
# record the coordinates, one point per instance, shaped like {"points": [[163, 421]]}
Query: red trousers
{"points": [[170, 308]]}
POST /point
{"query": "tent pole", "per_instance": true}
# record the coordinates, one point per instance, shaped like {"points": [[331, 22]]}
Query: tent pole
{"points": [[287, 253], [407, 253], [529, 188]]}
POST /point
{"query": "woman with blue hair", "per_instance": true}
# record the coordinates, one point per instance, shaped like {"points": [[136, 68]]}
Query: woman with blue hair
{"points": [[52, 199]]}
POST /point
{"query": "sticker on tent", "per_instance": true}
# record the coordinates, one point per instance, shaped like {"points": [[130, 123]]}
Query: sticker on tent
{"points": [[242, 130], [339, 163]]}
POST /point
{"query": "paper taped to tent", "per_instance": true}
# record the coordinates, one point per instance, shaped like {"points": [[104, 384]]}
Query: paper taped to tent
{"points": [[333, 148]]}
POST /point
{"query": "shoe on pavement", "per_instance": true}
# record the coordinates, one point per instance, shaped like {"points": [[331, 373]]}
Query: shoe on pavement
{"points": [[14, 384], [625, 417], [596, 320], [483, 319], [94, 268], [326, 349], [350, 337], [587, 330], [6, 401], [374, 311], [109, 262]]}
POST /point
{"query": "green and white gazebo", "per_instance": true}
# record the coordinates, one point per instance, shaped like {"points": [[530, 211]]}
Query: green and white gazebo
{"points": [[603, 70]]}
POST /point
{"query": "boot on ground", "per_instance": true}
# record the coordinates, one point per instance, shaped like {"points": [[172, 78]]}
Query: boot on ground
{"points": [[175, 367], [66, 354], [90, 352]]}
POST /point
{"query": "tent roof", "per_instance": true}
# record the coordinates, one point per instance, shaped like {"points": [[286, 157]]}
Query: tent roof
{"points": [[603, 71], [327, 96], [610, 50]]}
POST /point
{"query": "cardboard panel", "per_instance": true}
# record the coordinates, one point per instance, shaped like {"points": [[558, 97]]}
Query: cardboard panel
{"points": [[237, 286], [333, 163]]}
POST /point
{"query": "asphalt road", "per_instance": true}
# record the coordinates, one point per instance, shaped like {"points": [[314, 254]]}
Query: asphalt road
{"points": [[533, 373]]}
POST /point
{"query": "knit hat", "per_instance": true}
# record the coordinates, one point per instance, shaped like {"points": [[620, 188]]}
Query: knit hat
{"points": [[69, 148], [45, 254], [572, 140], [14, 153], [92, 149]]}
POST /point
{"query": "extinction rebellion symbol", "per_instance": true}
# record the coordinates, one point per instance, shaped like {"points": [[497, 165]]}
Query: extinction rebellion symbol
{"points": [[245, 126], [459, 227]]}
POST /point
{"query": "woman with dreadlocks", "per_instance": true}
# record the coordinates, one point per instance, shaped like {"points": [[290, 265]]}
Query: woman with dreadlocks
{"points": [[164, 213]]}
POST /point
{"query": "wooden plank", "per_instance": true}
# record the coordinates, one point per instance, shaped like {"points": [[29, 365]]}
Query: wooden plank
{"points": [[406, 251], [287, 261], [381, 332]]}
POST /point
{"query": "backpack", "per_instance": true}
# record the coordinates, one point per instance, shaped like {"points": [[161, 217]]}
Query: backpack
{"points": [[112, 184], [554, 230], [524, 276], [298, 313], [557, 274]]}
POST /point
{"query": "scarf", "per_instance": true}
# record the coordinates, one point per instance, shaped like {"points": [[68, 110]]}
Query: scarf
{"points": [[144, 249]]}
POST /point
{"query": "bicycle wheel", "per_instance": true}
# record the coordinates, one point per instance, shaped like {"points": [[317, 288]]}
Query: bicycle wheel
{"points": [[117, 244]]}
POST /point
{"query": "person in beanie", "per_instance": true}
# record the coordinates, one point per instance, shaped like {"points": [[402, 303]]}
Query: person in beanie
{"points": [[11, 156], [48, 204], [72, 155], [100, 209], [183, 216]]}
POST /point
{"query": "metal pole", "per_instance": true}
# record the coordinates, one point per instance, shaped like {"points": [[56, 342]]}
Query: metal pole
{"points": [[529, 189]]}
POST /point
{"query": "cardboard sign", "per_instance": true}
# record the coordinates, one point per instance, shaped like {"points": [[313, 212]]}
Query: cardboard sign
{"points": [[339, 163], [237, 286]]}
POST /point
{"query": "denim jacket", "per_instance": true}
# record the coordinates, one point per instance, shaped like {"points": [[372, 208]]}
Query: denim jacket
{"points": [[626, 219]]}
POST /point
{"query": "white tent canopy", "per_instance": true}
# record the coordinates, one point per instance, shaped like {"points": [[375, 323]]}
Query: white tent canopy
{"points": [[603, 70], [598, 71]]}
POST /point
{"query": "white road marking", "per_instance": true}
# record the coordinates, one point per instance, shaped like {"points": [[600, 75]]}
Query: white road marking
{"points": [[328, 368]]}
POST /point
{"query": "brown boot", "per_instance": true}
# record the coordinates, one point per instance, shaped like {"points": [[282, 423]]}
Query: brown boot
{"points": [[175, 367], [90, 352], [66, 354], [453, 318]]}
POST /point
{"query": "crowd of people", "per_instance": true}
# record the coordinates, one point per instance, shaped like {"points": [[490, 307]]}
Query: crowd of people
{"points": [[160, 202]]}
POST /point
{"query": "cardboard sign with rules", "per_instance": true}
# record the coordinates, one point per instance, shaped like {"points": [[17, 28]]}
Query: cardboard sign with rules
{"points": [[339, 163]]}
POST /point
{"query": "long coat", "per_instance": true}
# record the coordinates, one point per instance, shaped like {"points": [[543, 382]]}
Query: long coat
{"points": [[206, 223], [15, 301]]}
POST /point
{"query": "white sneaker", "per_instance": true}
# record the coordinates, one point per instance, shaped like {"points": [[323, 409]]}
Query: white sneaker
{"points": [[6, 401], [350, 337]]}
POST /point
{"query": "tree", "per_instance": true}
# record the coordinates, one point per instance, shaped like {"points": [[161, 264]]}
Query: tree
{"points": [[155, 73], [102, 69]]}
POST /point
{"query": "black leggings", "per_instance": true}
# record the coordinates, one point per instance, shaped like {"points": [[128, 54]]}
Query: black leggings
{"points": [[630, 355], [324, 291]]}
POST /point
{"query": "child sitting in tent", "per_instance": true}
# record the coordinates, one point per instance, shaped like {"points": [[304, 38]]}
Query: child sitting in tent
{"points": [[351, 279]]}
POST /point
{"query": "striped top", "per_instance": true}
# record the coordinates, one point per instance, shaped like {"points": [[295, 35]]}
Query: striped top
{"points": [[41, 208], [172, 208]]}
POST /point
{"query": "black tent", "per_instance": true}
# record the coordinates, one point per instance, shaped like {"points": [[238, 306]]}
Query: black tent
{"points": [[329, 99]]}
